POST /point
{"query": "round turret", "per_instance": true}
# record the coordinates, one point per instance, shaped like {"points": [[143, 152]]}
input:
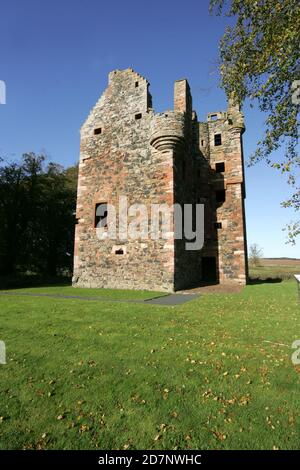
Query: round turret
{"points": [[168, 131]]}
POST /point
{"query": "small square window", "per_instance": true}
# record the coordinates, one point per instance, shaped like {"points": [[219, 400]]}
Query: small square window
{"points": [[119, 251], [218, 139], [220, 167], [220, 195], [138, 116], [101, 215], [218, 225], [136, 84], [98, 131]]}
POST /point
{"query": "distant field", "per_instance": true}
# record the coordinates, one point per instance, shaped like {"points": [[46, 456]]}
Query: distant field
{"points": [[280, 262], [281, 268]]}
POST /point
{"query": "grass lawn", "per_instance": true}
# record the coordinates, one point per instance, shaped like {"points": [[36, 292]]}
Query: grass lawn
{"points": [[95, 293], [214, 373]]}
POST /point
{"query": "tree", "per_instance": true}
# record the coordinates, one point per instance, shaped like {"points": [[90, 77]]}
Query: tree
{"points": [[259, 57], [37, 205], [255, 255], [12, 214]]}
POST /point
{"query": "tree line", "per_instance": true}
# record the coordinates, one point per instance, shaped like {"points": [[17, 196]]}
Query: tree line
{"points": [[37, 213]]}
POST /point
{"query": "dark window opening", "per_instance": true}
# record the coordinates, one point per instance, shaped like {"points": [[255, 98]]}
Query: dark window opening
{"points": [[101, 215], [136, 84], [220, 195], [209, 269], [213, 117], [218, 139], [98, 131], [202, 143], [220, 167], [138, 116], [120, 251], [218, 225]]}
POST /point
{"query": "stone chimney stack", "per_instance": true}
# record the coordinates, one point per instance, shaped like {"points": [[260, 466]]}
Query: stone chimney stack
{"points": [[182, 97]]}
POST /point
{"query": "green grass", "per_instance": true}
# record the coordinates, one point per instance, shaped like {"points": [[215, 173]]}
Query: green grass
{"points": [[82, 292], [214, 373]]}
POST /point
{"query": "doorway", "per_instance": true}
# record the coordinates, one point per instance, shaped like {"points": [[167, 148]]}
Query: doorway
{"points": [[209, 269]]}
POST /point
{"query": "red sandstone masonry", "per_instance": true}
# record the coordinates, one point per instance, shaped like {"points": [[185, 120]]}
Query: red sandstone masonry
{"points": [[143, 159]]}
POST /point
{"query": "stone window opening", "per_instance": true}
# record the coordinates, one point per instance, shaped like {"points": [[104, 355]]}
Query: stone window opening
{"points": [[138, 116], [101, 215], [220, 195], [98, 131], [218, 225], [136, 84], [220, 167], [202, 143], [218, 139], [213, 117], [119, 251]]}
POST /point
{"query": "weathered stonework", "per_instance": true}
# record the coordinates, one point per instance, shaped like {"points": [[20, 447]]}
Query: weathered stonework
{"points": [[129, 150]]}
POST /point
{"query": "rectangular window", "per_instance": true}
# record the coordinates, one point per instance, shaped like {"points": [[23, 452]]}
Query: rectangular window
{"points": [[202, 143], [220, 195], [101, 215], [98, 131], [138, 116], [218, 139], [220, 167], [136, 84], [218, 225], [213, 117]]}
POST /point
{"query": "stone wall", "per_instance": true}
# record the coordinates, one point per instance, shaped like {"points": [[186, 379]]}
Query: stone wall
{"points": [[129, 150], [121, 162], [230, 239]]}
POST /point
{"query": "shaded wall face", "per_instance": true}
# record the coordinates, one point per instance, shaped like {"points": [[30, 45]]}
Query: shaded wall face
{"points": [[119, 161], [186, 192]]}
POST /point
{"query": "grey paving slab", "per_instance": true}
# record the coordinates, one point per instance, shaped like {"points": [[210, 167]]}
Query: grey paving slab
{"points": [[168, 299]]}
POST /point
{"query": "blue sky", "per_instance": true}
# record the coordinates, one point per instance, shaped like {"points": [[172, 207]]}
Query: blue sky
{"points": [[55, 58]]}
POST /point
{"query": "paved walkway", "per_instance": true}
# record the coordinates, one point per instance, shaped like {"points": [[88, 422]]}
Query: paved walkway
{"points": [[168, 299]]}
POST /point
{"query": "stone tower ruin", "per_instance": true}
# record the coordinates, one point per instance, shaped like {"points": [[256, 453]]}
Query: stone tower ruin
{"points": [[128, 150]]}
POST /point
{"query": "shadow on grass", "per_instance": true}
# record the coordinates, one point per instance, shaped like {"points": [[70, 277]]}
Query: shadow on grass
{"points": [[20, 282], [268, 280]]}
